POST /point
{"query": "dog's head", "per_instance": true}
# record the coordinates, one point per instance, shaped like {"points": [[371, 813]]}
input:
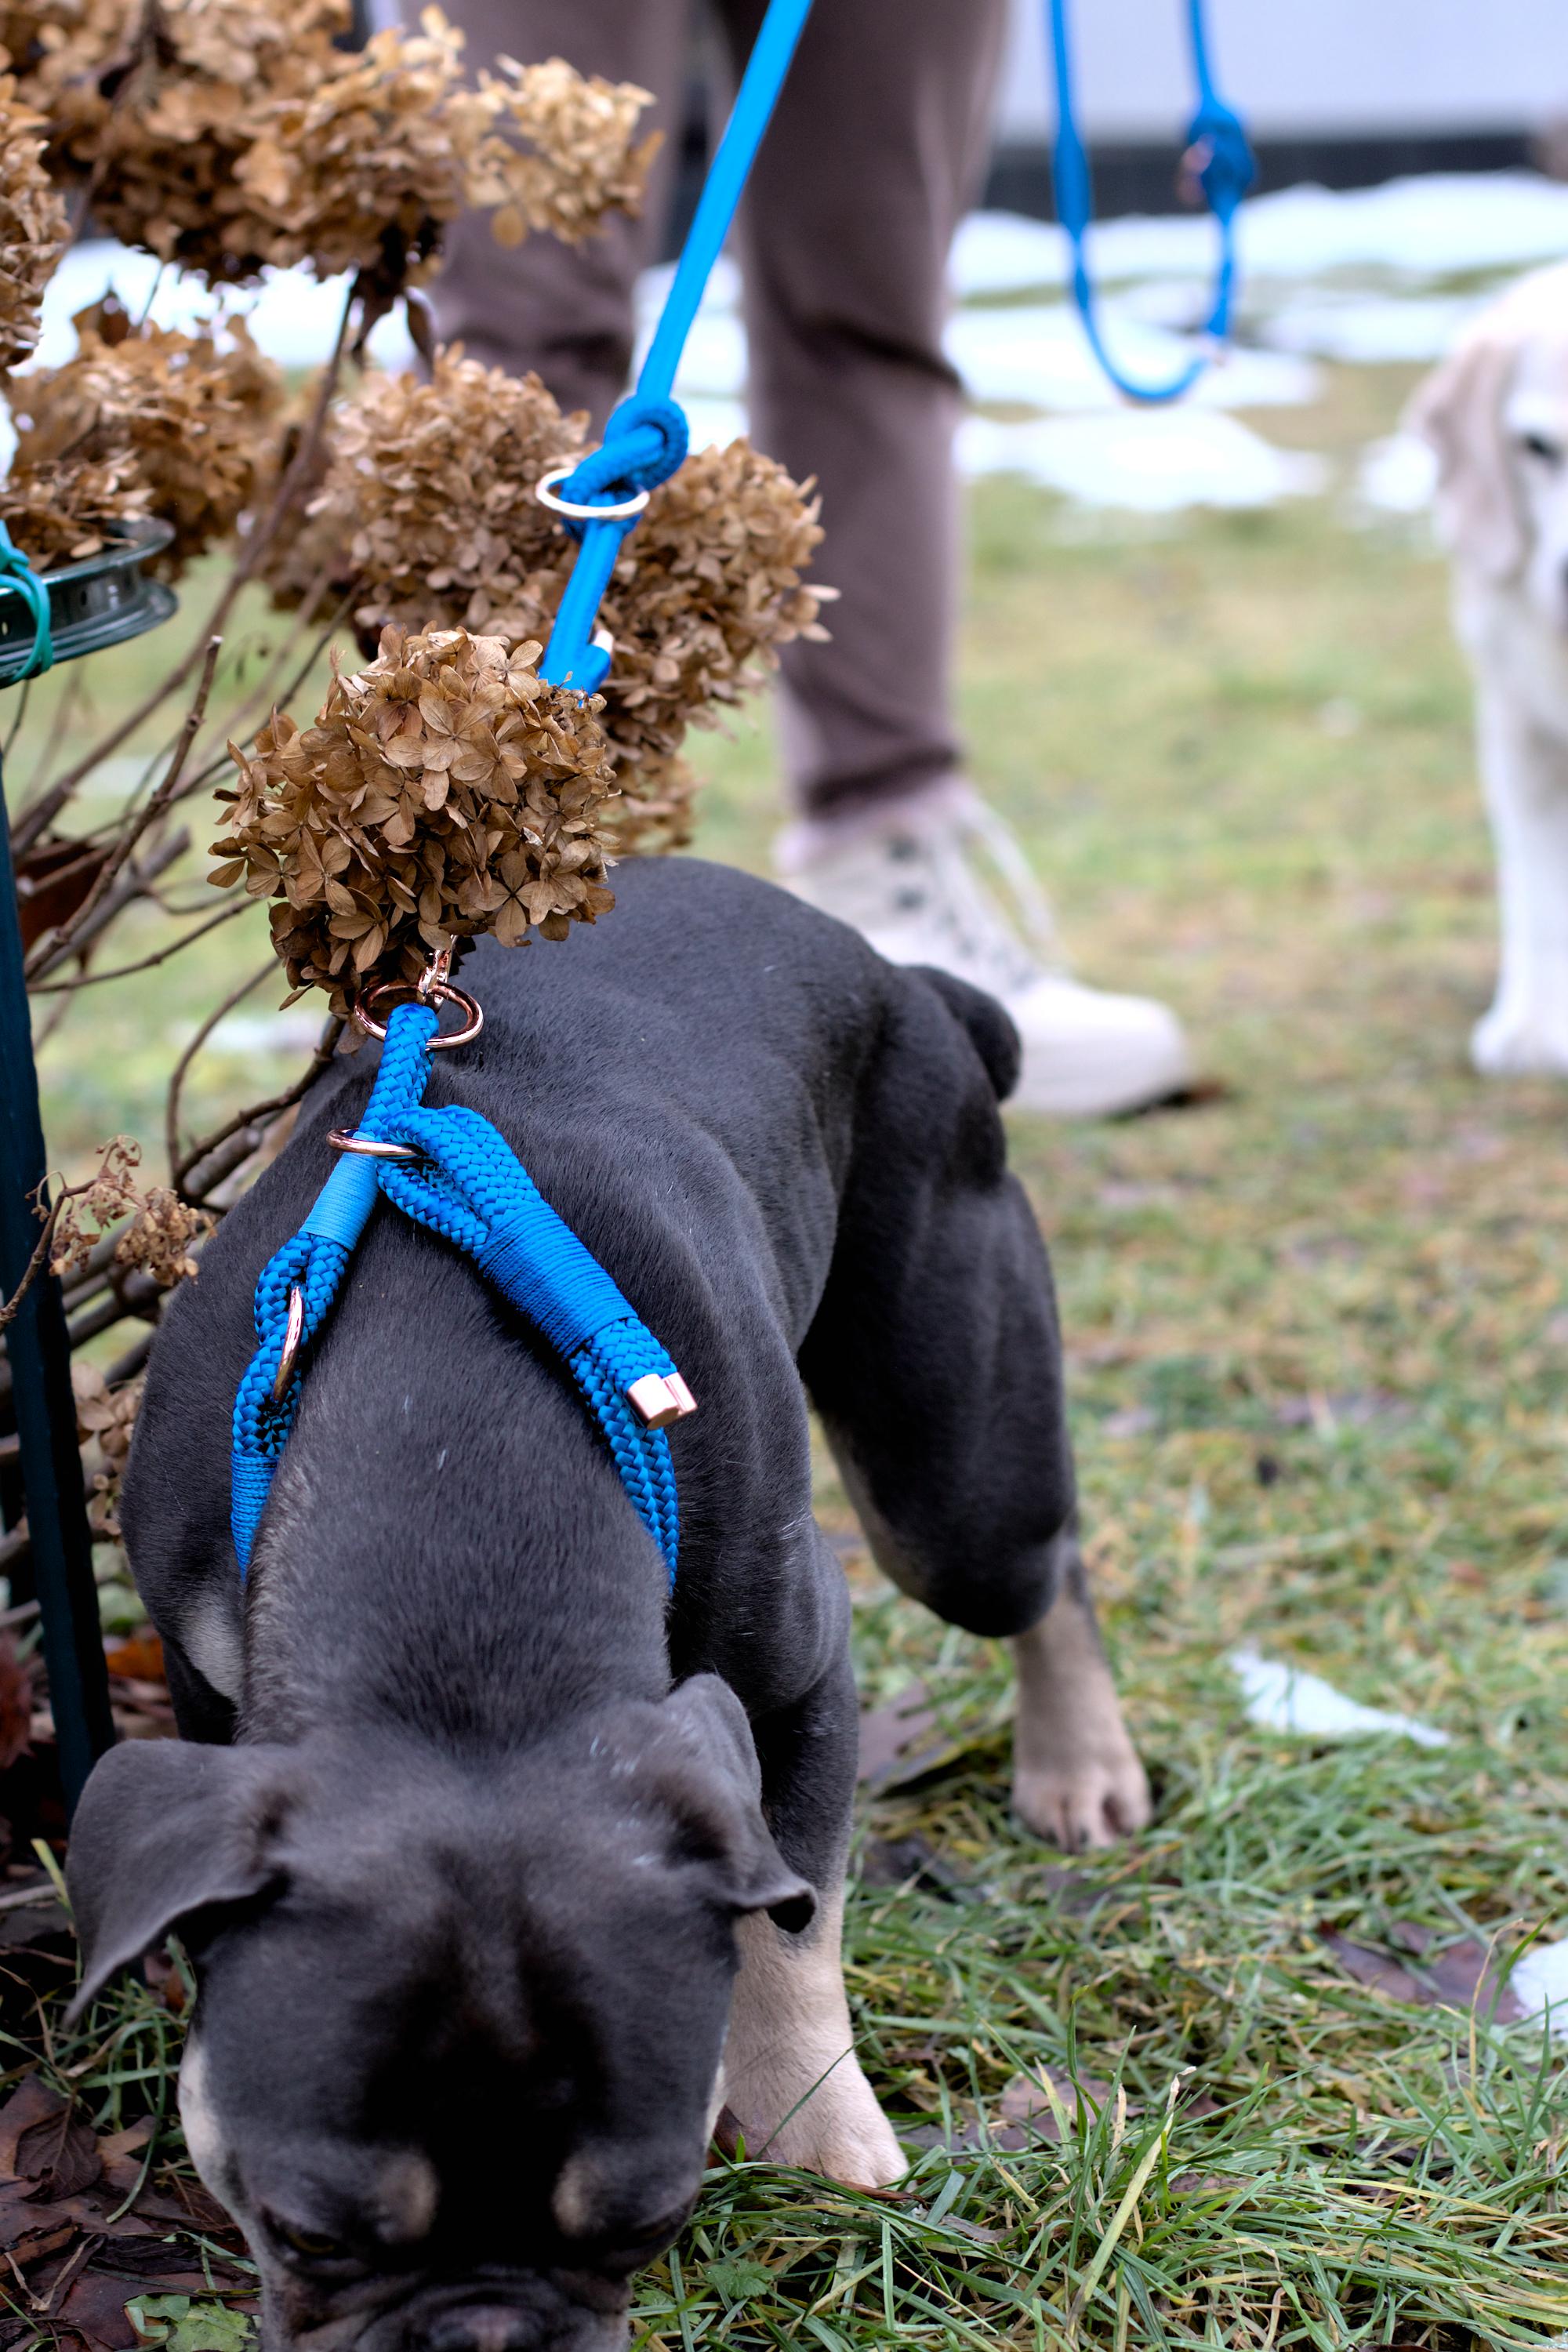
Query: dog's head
{"points": [[1495, 412], [455, 2055]]}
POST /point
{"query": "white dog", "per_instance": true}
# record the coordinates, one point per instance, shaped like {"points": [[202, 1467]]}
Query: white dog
{"points": [[1496, 412]]}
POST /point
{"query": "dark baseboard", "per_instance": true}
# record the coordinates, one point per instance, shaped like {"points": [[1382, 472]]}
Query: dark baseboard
{"points": [[1141, 179]]}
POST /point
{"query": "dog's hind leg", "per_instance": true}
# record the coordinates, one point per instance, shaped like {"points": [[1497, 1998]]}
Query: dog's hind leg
{"points": [[934, 1360], [1077, 1778], [791, 2077]]}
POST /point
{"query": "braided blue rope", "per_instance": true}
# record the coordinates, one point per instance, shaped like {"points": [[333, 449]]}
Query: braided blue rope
{"points": [[18, 572], [470, 1187], [645, 439], [1227, 172]]}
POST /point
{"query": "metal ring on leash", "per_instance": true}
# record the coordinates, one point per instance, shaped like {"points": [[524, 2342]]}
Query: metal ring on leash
{"points": [[344, 1138], [428, 992], [294, 1331], [544, 491]]}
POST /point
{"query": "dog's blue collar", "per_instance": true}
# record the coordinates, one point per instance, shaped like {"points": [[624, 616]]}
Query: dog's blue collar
{"points": [[458, 1176]]}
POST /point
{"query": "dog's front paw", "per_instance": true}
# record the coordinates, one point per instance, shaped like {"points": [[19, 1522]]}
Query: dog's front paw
{"points": [[1089, 1800], [837, 2128], [1509, 1043]]}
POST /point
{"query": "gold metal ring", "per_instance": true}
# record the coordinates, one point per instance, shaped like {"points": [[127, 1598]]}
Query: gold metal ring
{"points": [[344, 1138], [544, 491], [438, 992], [294, 1331]]}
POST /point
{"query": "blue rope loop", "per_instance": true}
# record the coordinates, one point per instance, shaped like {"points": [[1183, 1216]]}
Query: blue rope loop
{"points": [[470, 1187], [645, 443], [15, 569], [629, 459], [1228, 171]]}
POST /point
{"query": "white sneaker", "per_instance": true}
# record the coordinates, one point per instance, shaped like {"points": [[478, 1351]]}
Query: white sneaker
{"points": [[909, 883]]}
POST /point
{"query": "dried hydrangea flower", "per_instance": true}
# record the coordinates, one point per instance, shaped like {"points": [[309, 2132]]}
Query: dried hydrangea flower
{"points": [[430, 495], [551, 149], [445, 790], [226, 136], [156, 1240], [58, 511], [189, 422], [34, 231], [108, 1417]]}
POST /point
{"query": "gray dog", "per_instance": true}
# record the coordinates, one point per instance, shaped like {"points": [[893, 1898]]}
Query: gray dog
{"points": [[501, 1868]]}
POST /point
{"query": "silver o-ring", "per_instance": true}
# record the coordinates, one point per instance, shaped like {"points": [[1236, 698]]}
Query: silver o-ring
{"points": [[544, 491]]}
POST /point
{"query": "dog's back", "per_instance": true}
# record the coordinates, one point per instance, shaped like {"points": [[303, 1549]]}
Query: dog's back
{"points": [[692, 1085]]}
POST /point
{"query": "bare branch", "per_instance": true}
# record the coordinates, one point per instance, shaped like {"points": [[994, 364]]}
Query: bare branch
{"points": [[262, 700], [65, 935], [9, 1307], [216, 1156], [182, 1067], [134, 884], [21, 713], [146, 963]]}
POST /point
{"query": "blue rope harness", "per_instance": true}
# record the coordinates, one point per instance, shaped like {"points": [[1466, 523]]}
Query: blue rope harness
{"points": [[645, 439], [1225, 175], [468, 1186]]}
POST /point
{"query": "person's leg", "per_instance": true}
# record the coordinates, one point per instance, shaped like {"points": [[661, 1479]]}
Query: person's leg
{"points": [[874, 152], [564, 310]]}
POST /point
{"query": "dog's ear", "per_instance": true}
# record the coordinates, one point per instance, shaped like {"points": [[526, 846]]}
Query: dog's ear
{"points": [[706, 1763], [1459, 411], [166, 1830]]}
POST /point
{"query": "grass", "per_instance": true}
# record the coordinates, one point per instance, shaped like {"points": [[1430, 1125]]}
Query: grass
{"points": [[1319, 1334]]}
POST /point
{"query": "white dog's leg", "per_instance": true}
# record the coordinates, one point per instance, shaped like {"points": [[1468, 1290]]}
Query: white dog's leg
{"points": [[1525, 773], [1077, 1779], [791, 2076]]}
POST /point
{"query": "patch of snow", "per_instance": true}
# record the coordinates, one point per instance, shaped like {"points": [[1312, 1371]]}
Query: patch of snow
{"points": [[722, 291], [1370, 328], [1007, 253], [1038, 354], [1430, 225], [1538, 1982], [1286, 1698], [714, 359], [1397, 476], [293, 318], [1153, 461], [714, 423]]}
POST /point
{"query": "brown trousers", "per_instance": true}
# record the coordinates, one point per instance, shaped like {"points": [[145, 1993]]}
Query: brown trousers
{"points": [[874, 152]]}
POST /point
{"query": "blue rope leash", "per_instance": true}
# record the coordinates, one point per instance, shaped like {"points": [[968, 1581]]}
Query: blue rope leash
{"points": [[18, 573], [645, 439], [468, 1186], [1226, 173]]}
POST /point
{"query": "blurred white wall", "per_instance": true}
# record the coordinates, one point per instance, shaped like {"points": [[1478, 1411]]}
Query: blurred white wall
{"points": [[1295, 65]]}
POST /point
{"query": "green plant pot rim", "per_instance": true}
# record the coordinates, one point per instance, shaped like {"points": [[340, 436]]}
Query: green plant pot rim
{"points": [[99, 600]]}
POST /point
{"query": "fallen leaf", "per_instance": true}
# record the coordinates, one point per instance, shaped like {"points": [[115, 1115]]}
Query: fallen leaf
{"points": [[1029, 2115], [180, 2324], [1461, 1975], [83, 2233], [910, 1862], [141, 1659], [907, 1738]]}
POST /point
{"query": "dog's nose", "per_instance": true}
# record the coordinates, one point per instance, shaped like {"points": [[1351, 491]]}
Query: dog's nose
{"points": [[483, 2327]]}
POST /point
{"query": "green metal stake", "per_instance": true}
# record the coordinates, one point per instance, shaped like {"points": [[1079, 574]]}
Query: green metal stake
{"points": [[39, 1354]]}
